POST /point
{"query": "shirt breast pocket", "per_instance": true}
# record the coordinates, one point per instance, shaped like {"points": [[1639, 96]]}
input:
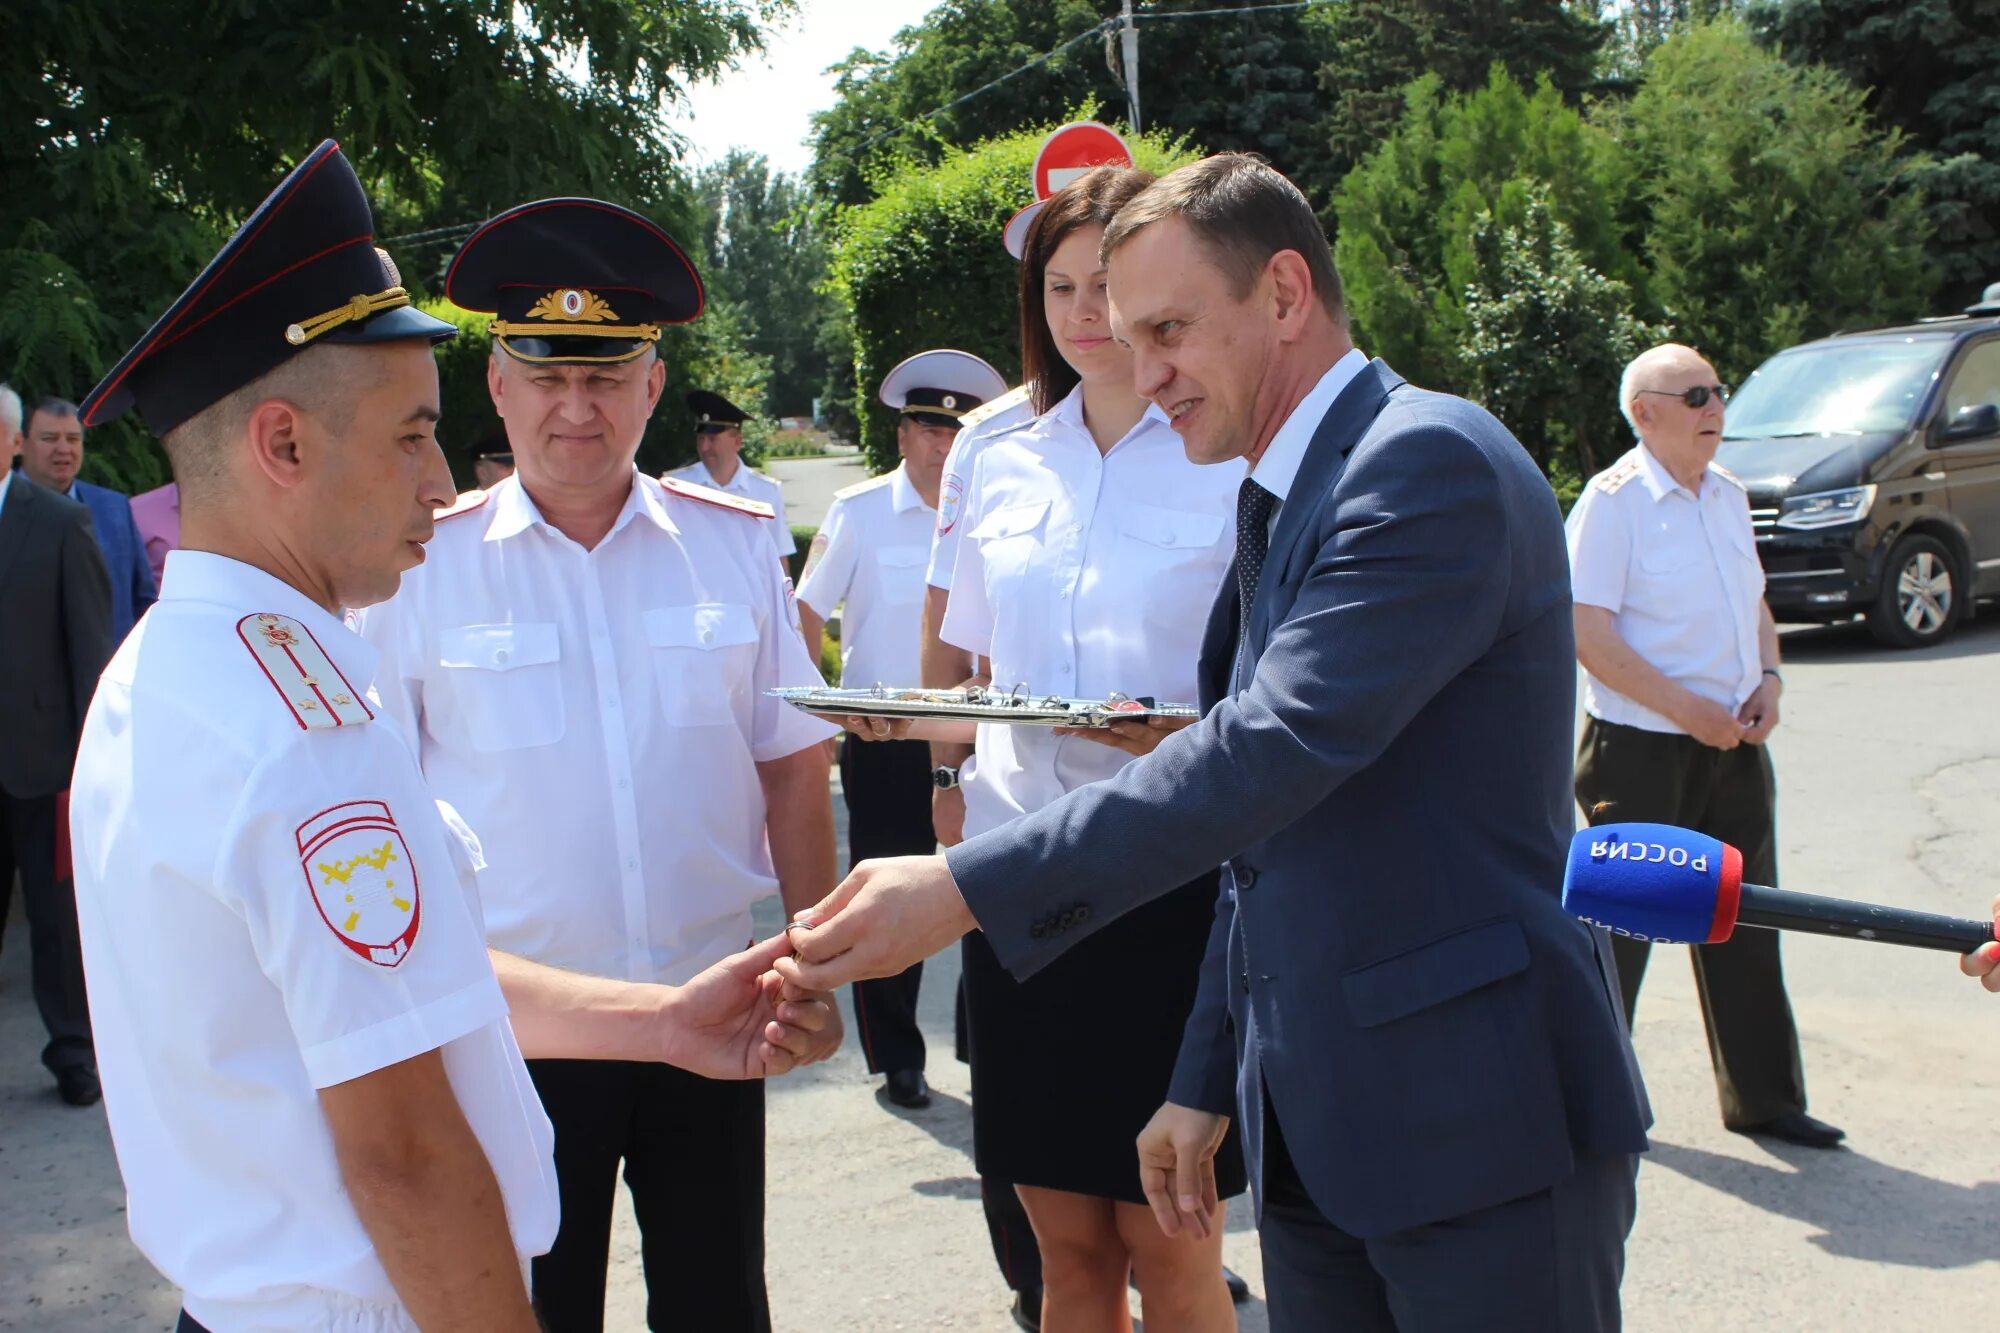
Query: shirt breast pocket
{"points": [[507, 683], [703, 658], [901, 569], [1168, 540], [1007, 540]]}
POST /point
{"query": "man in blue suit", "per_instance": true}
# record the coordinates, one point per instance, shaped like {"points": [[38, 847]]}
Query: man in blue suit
{"points": [[51, 454], [1441, 1108]]}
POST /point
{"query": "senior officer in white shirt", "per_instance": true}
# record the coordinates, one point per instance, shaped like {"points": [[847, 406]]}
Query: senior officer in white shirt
{"points": [[314, 1087], [718, 442], [869, 557], [583, 662], [1682, 687]]}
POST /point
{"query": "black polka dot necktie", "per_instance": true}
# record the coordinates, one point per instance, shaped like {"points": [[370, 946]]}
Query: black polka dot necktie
{"points": [[1253, 513]]}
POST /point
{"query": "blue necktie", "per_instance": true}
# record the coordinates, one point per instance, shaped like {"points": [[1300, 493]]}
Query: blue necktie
{"points": [[1253, 514]]}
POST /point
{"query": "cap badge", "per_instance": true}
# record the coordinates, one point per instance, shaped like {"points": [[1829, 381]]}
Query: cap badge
{"points": [[951, 400], [572, 305]]}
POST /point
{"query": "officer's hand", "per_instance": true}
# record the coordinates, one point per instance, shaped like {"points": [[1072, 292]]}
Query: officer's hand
{"points": [[1759, 714], [948, 816], [1984, 962], [879, 728], [1177, 1167], [1710, 723], [1136, 736], [739, 1020], [883, 917]]}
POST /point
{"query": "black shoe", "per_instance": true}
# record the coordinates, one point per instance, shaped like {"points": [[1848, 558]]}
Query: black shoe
{"points": [[906, 1088], [1239, 1290], [1027, 1310], [79, 1086], [1795, 1127]]}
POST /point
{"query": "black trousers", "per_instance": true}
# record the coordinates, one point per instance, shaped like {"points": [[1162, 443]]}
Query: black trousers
{"points": [[693, 1155], [1627, 773], [887, 787], [28, 846], [1550, 1262]]}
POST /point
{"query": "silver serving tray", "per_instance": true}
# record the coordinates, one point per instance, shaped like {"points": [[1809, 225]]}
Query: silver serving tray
{"points": [[1017, 707]]}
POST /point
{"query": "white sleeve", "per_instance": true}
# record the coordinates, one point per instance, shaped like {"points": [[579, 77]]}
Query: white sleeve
{"points": [[830, 562], [951, 498], [1600, 550], [968, 613], [781, 534], [777, 728], [337, 860]]}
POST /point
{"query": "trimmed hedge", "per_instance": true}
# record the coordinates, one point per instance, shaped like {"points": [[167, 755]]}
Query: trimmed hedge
{"points": [[922, 266]]}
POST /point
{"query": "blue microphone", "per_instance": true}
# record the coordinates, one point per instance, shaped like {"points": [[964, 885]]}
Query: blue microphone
{"points": [[1670, 885]]}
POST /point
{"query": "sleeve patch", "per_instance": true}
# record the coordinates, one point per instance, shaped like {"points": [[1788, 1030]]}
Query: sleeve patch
{"points": [[359, 872], [814, 554], [301, 672], [950, 497]]}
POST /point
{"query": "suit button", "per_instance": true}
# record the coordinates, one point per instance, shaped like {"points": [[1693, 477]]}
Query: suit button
{"points": [[1037, 931], [1246, 876], [1245, 978], [1082, 911]]}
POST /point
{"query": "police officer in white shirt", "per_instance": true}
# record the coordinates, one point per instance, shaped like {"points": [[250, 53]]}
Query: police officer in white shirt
{"points": [[869, 556], [1682, 690], [582, 663], [718, 440], [315, 1092]]}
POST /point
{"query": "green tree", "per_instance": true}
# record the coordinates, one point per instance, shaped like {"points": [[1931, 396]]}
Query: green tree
{"points": [[1929, 70], [1376, 48], [1546, 335], [1232, 81], [922, 266], [767, 258], [133, 137], [1775, 209], [1405, 248]]}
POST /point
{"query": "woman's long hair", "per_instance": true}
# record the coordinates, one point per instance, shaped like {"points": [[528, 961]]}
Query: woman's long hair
{"points": [[1091, 200]]}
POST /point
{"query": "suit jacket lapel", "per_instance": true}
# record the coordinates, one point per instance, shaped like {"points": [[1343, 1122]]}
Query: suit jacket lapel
{"points": [[1354, 410], [18, 517]]}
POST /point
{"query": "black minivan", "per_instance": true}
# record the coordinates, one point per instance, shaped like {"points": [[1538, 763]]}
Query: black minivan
{"points": [[1872, 460]]}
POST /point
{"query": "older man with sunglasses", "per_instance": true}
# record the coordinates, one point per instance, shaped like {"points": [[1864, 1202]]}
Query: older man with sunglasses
{"points": [[1682, 693]]}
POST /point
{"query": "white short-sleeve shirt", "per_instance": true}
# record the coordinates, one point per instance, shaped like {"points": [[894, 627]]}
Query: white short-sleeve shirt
{"points": [[272, 902], [1083, 573], [869, 555], [1680, 575], [986, 423], [751, 486], [599, 717]]}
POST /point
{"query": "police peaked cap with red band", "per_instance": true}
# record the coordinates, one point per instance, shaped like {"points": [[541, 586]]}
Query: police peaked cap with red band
{"points": [[574, 280], [301, 270]]}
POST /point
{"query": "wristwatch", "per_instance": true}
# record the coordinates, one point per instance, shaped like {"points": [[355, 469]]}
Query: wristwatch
{"points": [[944, 778], [1772, 672]]}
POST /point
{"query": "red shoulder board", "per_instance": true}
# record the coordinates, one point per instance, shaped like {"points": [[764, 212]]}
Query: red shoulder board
{"points": [[301, 672], [708, 495]]}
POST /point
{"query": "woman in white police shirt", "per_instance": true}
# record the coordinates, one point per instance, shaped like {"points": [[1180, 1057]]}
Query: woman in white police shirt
{"points": [[1092, 551]]}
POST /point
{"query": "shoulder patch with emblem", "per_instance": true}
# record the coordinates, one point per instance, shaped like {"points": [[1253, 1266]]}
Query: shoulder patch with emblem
{"points": [[863, 487], [362, 880], [1615, 476], [301, 672], [814, 554], [708, 495], [993, 407]]}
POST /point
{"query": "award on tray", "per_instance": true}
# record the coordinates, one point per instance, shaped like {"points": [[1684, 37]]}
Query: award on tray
{"points": [[1018, 707]]}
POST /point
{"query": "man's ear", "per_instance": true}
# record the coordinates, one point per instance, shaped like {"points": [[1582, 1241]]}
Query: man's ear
{"points": [[656, 383], [495, 380], [1291, 292], [274, 429]]}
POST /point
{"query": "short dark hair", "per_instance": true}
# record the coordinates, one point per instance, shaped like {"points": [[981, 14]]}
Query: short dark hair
{"points": [[1244, 210], [1093, 199], [55, 407]]}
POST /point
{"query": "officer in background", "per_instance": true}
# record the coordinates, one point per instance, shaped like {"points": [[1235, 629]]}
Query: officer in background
{"points": [[492, 460], [1682, 691], [582, 664], [718, 439], [314, 1078], [869, 556]]}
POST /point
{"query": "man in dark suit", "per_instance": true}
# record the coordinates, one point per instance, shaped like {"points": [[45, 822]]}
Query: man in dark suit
{"points": [[55, 601], [1441, 1108], [52, 454]]}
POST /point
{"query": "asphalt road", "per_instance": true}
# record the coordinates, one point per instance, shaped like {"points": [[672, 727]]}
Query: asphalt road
{"points": [[1889, 780]]}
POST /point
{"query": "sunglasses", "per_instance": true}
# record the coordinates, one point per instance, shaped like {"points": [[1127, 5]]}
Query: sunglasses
{"points": [[1698, 396]]}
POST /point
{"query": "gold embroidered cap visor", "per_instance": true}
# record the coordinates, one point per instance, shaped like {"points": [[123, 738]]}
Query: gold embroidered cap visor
{"points": [[302, 269], [574, 280]]}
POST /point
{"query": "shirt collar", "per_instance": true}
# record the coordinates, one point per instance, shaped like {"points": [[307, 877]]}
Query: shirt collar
{"points": [[902, 494], [1069, 412], [6, 481], [1279, 466], [1659, 482], [515, 511], [203, 576]]}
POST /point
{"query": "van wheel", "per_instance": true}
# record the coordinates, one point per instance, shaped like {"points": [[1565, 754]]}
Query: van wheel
{"points": [[1918, 604]]}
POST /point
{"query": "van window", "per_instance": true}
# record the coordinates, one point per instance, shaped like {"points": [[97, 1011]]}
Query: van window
{"points": [[1976, 381], [1842, 388]]}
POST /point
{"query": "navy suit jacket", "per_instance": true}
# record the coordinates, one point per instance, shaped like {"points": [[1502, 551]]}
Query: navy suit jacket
{"points": [[132, 587], [1386, 775]]}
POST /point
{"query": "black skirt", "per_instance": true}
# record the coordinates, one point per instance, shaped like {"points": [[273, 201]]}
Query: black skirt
{"points": [[1068, 1066]]}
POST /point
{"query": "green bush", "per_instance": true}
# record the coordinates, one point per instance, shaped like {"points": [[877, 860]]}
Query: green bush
{"points": [[922, 266], [802, 538]]}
